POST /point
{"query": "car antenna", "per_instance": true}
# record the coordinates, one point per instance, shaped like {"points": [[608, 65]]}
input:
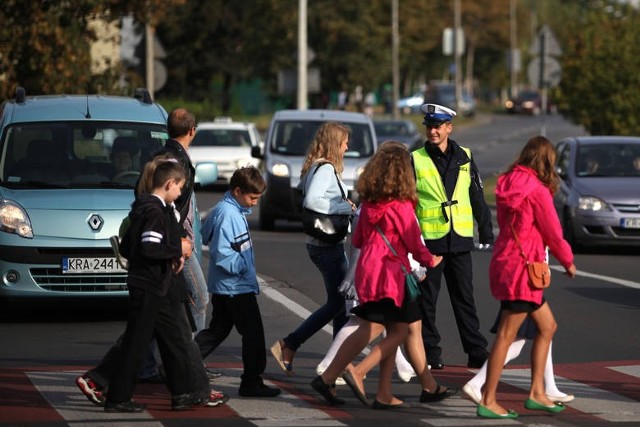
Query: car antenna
{"points": [[88, 115]]}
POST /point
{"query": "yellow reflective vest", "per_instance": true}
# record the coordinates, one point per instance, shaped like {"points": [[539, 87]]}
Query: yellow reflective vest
{"points": [[436, 213]]}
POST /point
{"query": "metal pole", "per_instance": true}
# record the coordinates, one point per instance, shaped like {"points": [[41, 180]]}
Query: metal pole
{"points": [[456, 52], [514, 44], [149, 33], [302, 55], [395, 62]]}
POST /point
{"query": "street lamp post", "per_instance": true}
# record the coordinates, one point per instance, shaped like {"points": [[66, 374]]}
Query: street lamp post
{"points": [[302, 55]]}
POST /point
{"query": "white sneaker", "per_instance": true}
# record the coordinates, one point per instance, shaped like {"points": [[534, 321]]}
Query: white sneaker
{"points": [[561, 399], [406, 375], [339, 380], [472, 393]]}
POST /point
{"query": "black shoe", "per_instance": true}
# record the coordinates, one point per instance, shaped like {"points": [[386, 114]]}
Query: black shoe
{"points": [[185, 401], [325, 390], [441, 393], [436, 363], [476, 360], [212, 374], [379, 405], [258, 390], [129, 406]]}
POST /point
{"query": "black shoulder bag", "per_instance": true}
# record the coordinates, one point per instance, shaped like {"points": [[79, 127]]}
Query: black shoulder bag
{"points": [[328, 228]]}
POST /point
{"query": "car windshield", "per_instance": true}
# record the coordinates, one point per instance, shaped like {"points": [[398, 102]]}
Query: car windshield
{"points": [[391, 128], [77, 154], [294, 137], [608, 160], [221, 138]]}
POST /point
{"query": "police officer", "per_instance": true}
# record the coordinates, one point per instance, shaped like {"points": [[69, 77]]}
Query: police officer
{"points": [[450, 197]]}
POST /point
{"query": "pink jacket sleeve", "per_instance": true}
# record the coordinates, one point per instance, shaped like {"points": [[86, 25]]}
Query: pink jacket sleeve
{"points": [[411, 235], [547, 222]]}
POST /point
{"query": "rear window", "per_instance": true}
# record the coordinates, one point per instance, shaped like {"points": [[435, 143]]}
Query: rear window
{"points": [[77, 154], [294, 137], [221, 138]]}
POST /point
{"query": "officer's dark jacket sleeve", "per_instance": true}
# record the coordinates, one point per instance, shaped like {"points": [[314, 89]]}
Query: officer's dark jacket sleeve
{"points": [[481, 211]]}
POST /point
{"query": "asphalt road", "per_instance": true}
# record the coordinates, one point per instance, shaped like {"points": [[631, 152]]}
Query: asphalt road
{"points": [[45, 344]]}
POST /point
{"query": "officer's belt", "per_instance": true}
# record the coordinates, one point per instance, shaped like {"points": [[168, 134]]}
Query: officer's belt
{"points": [[444, 206]]}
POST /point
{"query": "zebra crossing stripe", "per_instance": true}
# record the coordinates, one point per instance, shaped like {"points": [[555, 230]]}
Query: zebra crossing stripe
{"points": [[589, 400]]}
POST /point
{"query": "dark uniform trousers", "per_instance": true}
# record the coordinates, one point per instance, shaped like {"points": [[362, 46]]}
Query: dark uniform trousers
{"points": [[150, 315], [243, 312], [457, 271]]}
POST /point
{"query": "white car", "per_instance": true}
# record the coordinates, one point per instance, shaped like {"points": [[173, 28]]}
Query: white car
{"points": [[227, 143]]}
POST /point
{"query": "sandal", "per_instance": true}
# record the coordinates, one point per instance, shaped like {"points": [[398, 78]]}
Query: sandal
{"points": [[276, 350], [441, 393], [326, 391], [351, 382]]}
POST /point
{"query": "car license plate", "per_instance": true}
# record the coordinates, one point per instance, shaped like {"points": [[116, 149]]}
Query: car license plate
{"points": [[91, 265], [630, 223]]}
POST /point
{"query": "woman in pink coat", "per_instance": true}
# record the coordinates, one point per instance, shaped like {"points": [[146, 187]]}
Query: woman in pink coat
{"points": [[524, 199], [387, 191]]}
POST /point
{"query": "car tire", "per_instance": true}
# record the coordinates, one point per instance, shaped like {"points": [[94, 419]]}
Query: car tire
{"points": [[569, 233]]}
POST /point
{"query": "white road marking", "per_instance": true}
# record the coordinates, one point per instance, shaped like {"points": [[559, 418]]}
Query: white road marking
{"points": [[589, 400], [623, 282]]}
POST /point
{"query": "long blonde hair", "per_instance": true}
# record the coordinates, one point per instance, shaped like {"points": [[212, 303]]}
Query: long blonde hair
{"points": [[326, 145]]}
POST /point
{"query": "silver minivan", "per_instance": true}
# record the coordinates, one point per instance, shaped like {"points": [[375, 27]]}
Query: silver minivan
{"points": [[288, 137]]}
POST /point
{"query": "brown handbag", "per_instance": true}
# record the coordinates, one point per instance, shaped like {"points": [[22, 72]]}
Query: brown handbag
{"points": [[539, 272]]}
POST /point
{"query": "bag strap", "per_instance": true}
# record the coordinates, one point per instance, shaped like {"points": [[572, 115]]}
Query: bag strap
{"points": [[519, 244], [393, 251], [344, 197]]}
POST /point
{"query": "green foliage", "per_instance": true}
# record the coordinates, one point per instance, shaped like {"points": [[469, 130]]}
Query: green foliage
{"points": [[601, 78]]}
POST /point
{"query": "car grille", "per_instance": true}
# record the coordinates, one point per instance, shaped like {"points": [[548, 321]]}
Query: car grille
{"points": [[626, 232], [627, 208], [52, 279]]}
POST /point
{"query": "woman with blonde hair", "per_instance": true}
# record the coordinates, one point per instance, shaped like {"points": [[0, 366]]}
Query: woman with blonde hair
{"points": [[324, 192], [528, 224]]}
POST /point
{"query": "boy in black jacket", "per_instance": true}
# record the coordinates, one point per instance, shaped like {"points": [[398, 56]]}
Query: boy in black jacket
{"points": [[152, 246]]}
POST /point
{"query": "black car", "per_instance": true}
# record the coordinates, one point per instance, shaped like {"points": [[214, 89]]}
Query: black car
{"points": [[404, 131]]}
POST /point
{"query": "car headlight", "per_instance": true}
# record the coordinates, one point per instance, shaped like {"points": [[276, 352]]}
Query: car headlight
{"points": [[594, 204], [508, 104], [528, 104], [280, 169], [14, 219]]}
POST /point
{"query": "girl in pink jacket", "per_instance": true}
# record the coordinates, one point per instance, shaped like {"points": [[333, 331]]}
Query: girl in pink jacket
{"points": [[524, 200], [387, 190]]}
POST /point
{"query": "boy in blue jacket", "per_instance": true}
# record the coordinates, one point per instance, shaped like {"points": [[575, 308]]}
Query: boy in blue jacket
{"points": [[232, 280]]}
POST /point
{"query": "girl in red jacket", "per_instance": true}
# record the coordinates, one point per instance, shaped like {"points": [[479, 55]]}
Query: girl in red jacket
{"points": [[387, 191], [525, 210]]}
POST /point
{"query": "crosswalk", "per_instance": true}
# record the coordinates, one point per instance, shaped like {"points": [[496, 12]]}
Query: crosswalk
{"points": [[605, 393]]}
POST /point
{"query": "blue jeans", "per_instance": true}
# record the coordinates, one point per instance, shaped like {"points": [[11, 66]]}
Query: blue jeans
{"points": [[333, 264], [197, 287]]}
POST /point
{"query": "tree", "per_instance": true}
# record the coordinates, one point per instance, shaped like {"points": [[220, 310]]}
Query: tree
{"points": [[600, 78]]}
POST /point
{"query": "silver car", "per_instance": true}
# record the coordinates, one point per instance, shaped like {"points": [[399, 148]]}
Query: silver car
{"points": [[598, 200], [288, 137]]}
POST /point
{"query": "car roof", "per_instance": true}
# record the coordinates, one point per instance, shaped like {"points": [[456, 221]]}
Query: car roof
{"points": [[75, 107], [225, 125], [599, 139], [323, 115]]}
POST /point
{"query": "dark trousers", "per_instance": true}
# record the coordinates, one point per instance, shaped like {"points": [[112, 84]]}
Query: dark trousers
{"points": [[243, 312], [457, 271], [150, 315], [199, 382]]}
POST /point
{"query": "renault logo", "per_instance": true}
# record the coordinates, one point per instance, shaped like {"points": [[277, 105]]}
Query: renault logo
{"points": [[95, 222]]}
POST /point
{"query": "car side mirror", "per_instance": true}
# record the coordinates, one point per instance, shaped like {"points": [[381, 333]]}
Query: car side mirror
{"points": [[257, 152], [206, 174]]}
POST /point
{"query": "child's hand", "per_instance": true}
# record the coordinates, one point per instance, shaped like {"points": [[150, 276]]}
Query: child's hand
{"points": [[437, 259], [571, 271], [178, 264], [187, 247]]}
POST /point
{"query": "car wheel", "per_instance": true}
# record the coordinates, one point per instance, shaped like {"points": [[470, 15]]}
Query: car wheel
{"points": [[569, 233]]}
